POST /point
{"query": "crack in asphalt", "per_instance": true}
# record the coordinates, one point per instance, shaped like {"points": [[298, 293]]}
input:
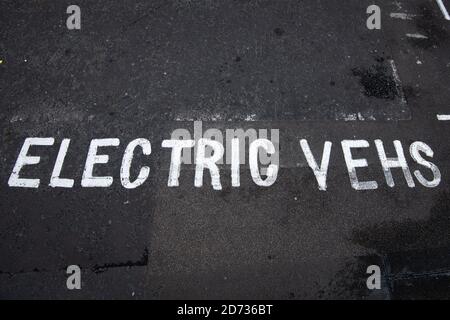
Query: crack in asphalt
{"points": [[142, 262]]}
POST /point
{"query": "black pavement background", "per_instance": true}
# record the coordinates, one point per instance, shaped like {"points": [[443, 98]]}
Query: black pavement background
{"points": [[144, 68]]}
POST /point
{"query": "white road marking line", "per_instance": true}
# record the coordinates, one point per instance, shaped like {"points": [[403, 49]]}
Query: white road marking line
{"points": [[403, 16], [250, 117], [443, 9], [443, 117], [345, 116], [216, 117], [416, 36], [398, 82]]}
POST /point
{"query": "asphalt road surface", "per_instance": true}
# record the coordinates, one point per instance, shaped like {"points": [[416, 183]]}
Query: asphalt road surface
{"points": [[141, 69]]}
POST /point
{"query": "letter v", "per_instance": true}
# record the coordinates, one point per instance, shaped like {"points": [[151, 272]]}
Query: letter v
{"points": [[320, 173]]}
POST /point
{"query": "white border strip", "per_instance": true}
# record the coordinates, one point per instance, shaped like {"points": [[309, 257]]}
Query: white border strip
{"points": [[443, 117], [403, 16], [397, 81], [443, 9]]}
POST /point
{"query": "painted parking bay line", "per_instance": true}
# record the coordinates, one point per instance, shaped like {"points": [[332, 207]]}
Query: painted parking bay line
{"points": [[443, 117], [443, 9]]}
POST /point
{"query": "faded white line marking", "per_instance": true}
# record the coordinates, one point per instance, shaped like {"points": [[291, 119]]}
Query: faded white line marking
{"points": [[398, 82], [443, 117], [403, 16], [250, 117], [416, 36], [443, 9], [346, 116], [369, 116], [216, 117]]}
